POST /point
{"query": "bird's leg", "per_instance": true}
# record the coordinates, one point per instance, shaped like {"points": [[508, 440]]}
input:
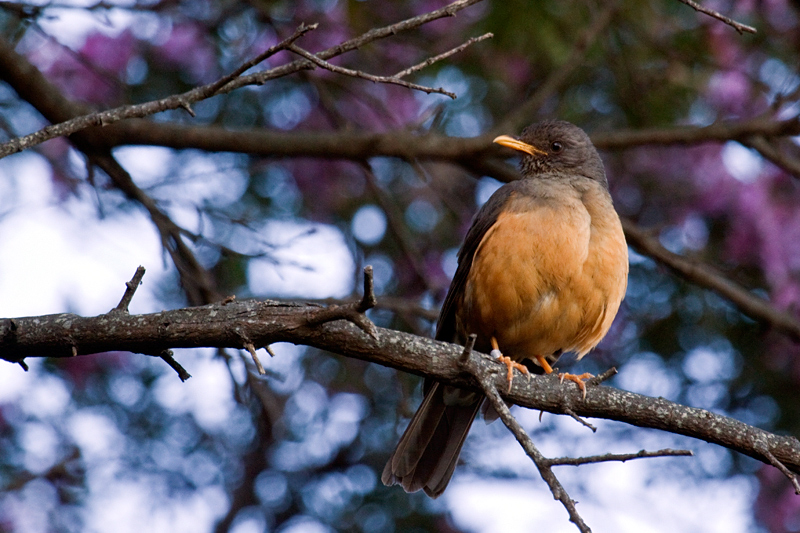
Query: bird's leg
{"points": [[511, 365], [562, 376]]}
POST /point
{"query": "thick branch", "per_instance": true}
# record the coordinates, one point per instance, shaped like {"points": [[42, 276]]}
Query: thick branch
{"points": [[266, 322]]}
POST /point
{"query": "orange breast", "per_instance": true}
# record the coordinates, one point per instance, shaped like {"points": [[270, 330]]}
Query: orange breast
{"points": [[547, 276]]}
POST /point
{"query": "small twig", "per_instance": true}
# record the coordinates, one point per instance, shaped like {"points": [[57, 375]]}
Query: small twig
{"points": [[269, 350], [468, 348], [431, 60], [738, 26], [168, 358], [111, 116], [605, 376], [578, 419], [130, 290], [786, 472], [363, 75], [577, 461], [271, 51], [354, 312], [229, 299], [558, 491], [252, 349], [23, 364], [369, 300]]}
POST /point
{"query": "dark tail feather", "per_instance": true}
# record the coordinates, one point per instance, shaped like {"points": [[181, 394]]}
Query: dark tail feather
{"points": [[428, 451]]}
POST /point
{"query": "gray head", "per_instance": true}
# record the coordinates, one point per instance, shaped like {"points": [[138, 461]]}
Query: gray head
{"points": [[556, 146]]}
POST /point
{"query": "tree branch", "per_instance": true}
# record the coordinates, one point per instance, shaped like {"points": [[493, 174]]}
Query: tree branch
{"points": [[738, 26], [266, 322]]}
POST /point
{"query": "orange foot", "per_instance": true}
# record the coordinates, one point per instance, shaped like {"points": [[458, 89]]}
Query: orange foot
{"points": [[511, 365], [577, 379]]}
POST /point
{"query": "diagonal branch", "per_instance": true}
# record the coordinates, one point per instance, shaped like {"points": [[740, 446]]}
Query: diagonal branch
{"points": [[738, 26], [489, 389], [431, 60], [701, 274], [365, 76]]}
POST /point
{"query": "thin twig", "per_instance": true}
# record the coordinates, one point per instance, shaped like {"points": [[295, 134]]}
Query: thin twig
{"points": [[110, 116], [577, 461], [130, 290], [489, 389], [578, 419], [369, 300], [363, 75], [738, 26], [782, 467], [252, 349], [167, 357], [431, 60]]}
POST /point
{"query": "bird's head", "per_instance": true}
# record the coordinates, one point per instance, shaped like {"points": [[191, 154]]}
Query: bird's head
{"points": [[556, 147]]}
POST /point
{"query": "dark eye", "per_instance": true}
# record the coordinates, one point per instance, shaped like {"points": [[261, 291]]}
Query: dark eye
{"points": [[556, 146]]}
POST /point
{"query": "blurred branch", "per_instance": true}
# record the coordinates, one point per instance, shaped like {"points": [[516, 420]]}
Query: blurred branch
{"points": [[398, 228], [769, 150], [521, 115], [266, 322], [110, 116], [723, 131], [704, 275], [738, 26], [80, 118]]}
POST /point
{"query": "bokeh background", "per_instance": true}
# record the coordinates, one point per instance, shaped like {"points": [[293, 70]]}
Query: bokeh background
{"points": [[115, 442]]}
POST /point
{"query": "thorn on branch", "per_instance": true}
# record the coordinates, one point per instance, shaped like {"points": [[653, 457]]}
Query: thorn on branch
{"points": [[188, 108], [229, 299], [468, 348], [130, 290], [268, 348], [23, 364], [369, 300], [167, 356], [580, 420], [252, 349]]}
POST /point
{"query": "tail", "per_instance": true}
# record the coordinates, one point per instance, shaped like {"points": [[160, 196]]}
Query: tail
{"points": [[428, 451]]}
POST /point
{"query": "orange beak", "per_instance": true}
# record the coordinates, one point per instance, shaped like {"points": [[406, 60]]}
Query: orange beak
{"points": [[516, 144]]}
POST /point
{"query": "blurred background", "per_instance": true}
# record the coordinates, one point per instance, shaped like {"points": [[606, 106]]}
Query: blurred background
{"points": [[115, 442]]}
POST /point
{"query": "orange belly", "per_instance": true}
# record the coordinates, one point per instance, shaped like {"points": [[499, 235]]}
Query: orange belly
{"points": [[546, 280]]}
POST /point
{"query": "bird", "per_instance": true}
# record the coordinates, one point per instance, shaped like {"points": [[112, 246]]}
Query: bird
{"points": [[542, 272]]}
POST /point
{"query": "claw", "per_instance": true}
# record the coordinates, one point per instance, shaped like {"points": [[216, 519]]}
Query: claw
{"points": [[510, 364], [577, 379]]}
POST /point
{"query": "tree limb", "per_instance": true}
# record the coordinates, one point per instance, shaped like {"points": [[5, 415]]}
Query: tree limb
{"points": [[266, 322]]}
